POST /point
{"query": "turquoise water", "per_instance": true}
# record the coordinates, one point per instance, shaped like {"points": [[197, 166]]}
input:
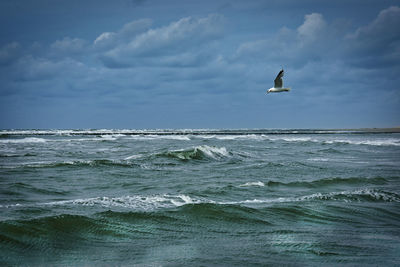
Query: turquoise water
{"points": [[199, 197]]}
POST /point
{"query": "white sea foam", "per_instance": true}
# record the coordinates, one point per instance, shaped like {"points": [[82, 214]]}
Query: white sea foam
{"points": [[24, 140], [319, 159], [112, 136], [241, 137], [153, 202], [160, 137], [258, 183], [377, 142], [296, 139], [346, 196], [199, 152], [133, 157], [319, 139], [213, 152], [132, 202], [254, 137], [108, 137]]}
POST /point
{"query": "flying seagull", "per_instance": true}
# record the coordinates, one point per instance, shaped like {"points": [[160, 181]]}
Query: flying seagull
{"points": [[278, 84]]}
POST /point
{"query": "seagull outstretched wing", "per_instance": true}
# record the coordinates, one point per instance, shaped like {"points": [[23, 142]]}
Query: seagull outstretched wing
{"points": [[278, 83]]}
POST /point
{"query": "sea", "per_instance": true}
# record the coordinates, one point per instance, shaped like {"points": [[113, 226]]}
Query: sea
{"points": [[199, 197]]}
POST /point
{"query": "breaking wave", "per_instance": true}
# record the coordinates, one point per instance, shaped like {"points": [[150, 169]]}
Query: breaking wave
{"points": [[23, 140], [385, 142], [330, 181], [199, 153], [153, 202], [74, 163], [196, 153], [360, 195], [258, 183], [133, 202]]}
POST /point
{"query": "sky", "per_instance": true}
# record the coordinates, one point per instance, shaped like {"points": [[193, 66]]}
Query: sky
{"points": [[152, 64]]}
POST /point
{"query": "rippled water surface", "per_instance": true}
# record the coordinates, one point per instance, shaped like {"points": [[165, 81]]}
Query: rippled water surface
{"points": [[199, 197]]}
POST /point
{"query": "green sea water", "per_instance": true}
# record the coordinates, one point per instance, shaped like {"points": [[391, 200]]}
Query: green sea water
{"points": [[199, 198]]}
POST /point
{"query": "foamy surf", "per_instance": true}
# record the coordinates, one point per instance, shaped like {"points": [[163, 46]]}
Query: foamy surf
{"points": [[258, 183], [144, 203], [160, 137], [360, 195], [24, 140], [153, 202], [385, 142], [199, 152]]}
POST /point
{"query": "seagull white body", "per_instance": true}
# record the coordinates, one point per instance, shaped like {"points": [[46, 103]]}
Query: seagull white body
{"points": [[278, 84]]}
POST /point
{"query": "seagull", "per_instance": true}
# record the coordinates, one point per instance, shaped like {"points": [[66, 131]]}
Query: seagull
{"points": [[278, 84]]}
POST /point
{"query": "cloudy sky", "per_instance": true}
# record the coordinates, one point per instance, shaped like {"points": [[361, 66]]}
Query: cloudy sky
{"points": [[199, 64]]}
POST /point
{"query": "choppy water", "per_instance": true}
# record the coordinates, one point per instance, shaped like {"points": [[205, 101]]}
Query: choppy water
{"points": [[199, 197]]}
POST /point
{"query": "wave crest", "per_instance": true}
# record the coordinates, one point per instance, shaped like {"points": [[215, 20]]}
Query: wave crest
{"points": [[248, 184], [330, 182], [24, 140], [199, 153], [133, 202]]}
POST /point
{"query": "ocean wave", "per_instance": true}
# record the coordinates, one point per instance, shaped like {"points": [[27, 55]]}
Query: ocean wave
{"points": [[133, 202], [374, 142], [199, 153], [14, 155], [137, 202], [73, 163], [235, 137], [153, 202], [304, 139], [168, 201], [382, 142], [203, 152], [320, 159], [330, 181], [356, 195], [23, 140], [360, 195], [293, 139], [248, 184], [134, 157], [160, 137]]}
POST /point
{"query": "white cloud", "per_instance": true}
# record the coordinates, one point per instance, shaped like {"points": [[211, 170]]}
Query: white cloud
{"points": [[172, 42], [135, 27], [29, 68], [308, 42], [68, 45], [104, 37], [313, 26], [127, 33], [186, 29]]}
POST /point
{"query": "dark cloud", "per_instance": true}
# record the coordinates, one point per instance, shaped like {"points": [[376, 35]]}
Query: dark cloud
{"points": [[9, 53]]}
